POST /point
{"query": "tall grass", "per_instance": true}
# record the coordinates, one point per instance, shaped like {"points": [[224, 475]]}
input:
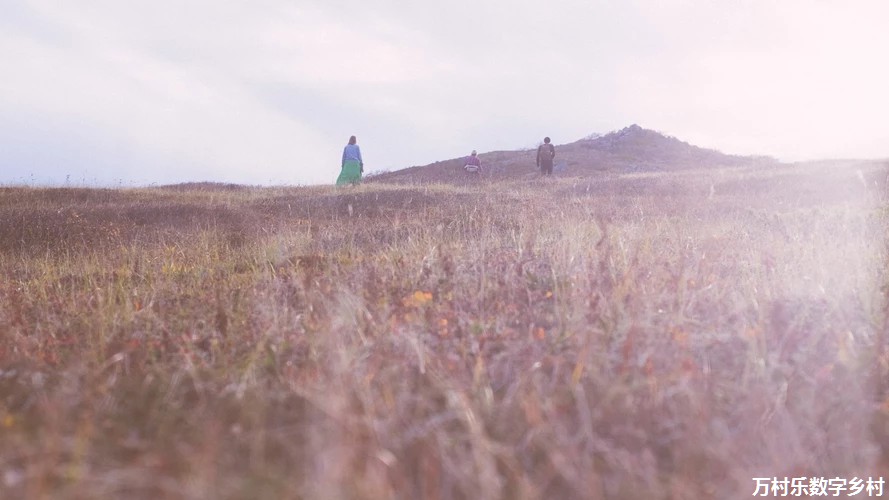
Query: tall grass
{"points": [[643, 336]]}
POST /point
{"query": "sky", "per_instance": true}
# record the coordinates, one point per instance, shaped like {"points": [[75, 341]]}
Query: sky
{"points": [[267, 92]]}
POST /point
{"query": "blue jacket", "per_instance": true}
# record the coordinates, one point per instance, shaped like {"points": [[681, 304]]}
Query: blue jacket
{"points": [[352, 152]]}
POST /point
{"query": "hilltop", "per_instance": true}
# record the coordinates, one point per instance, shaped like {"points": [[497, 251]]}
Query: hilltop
{"points": [[630, 149]]}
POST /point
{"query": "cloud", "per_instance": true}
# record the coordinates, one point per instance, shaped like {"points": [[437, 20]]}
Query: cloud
{"points": [[198, 117], [794, 79], [269, 91]]}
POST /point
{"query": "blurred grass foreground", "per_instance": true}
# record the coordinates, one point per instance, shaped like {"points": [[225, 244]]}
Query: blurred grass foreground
{"points": [[647, 335]]}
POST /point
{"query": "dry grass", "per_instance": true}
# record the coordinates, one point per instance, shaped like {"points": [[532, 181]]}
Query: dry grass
{"points": [[641, 336]]}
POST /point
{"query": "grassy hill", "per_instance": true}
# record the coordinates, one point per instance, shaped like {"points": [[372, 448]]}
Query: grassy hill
{"points": [[632, 149], [654, 334]]}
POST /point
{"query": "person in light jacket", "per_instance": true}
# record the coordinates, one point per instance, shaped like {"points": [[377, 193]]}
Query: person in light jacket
{"points": [[352, 165]]}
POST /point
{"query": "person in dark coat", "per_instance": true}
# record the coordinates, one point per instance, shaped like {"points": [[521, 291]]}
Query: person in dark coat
{"points": [[545, 154]]}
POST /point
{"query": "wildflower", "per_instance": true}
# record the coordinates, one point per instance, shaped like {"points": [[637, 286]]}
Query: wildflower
{"points": [[417, 299]]}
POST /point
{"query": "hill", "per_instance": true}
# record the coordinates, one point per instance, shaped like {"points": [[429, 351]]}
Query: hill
{"points": [[631, 149]]}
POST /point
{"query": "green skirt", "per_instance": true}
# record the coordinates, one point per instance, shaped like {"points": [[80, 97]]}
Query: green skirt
{"points": [[351, 173]]}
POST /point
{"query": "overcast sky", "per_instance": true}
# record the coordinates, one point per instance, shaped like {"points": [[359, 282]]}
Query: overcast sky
{"points": [[136, 92]]}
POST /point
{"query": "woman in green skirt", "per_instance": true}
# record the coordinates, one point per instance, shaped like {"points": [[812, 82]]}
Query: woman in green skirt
{"points": [[353, 165]]}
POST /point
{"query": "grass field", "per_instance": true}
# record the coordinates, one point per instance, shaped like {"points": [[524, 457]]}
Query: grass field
{"points": [[652, 335]]}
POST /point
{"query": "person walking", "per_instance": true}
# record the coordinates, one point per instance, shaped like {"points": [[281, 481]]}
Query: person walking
{"points": [[473, 165], [545, 154], [352, 166]]}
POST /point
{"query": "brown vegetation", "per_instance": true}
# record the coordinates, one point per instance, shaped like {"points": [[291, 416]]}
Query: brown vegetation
{"points": [[627, 336], [631, 149]]}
